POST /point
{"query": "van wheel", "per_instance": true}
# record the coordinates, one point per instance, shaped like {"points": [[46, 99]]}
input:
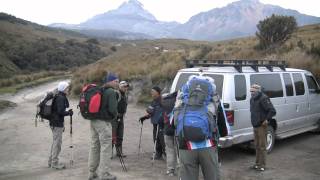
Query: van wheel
{"points": [[317, 131], [270, 138]]}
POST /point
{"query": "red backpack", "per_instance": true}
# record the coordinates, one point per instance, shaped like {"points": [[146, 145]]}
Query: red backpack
{"points": [[90, 101]]}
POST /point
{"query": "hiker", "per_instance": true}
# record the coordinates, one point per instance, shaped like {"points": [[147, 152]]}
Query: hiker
{"points": [[59, 105], [167, 104], [101, 130], [122, 109], [154, 111], [261, 110], [196, 128]]}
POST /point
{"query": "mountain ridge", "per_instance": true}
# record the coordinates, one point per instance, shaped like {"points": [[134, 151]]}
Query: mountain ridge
{"points": [[237, 19]]}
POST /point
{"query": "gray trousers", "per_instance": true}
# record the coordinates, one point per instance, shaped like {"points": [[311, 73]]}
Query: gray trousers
{"points": [[207, 158], [171, 152], [56, 145], [100, 147]]}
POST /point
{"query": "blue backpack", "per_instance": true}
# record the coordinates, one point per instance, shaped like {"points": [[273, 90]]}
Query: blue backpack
{"points": [[193, 121]]}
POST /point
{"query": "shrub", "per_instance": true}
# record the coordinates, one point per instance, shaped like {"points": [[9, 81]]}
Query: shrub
{"points": [[275, 30]]}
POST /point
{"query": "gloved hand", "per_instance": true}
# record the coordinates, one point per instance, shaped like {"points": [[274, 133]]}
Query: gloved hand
{"points": [[142, 119], [70, 112]]}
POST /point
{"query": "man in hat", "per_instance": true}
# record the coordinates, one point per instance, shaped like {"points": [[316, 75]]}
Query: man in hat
{"points": [[122, 109], [154, 111], [101, 130], [261, 110]]}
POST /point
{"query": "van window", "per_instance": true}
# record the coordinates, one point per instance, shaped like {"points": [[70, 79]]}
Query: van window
{"points": [[270, 83], [218, 80], [288, 83], [298, 84], [183, 78], [240, 87], [312, 85]]}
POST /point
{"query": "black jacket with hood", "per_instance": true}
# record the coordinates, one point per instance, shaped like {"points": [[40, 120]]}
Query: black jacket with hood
{"points": [[261, 109], [59, 106]]}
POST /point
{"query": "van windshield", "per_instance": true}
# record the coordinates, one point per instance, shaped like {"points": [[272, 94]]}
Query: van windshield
{"points": [[218, 79]]}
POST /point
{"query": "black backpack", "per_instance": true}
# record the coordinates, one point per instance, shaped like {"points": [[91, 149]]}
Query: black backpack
{"points": [[44, 108]]}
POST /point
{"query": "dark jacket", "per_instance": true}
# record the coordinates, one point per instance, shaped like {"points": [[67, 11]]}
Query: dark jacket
{"points": [[122, 104], [109, 104], [59, 106], [155, 112], [261, 109]]}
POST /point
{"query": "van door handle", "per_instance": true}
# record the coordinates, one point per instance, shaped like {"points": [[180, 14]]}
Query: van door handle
{"points": [[309, 106], [297, 108]]}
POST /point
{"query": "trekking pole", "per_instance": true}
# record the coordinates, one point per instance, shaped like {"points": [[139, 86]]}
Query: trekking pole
{"points": [[112, 150], [140, 139], [36, 120], [155, 145], [71, 142], [124, 168]]}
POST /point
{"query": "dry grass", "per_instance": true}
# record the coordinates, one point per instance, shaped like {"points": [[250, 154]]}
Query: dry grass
{"points": [[158, 61]]}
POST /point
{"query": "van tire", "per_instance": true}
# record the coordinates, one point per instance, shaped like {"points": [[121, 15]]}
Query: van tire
{"points": [[317, 131], [270, 139]]}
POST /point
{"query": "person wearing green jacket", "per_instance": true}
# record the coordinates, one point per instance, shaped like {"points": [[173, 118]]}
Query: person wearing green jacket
{"points": [[101, 130]]}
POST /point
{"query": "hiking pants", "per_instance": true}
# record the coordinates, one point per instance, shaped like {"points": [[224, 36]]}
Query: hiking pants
{"points": [[160, 145], [260, 140], [190, 160], [100, 149], [171, 152], [56, 145]]}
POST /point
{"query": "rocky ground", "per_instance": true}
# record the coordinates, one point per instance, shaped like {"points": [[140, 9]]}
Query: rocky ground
{"points": [[24, 149]]}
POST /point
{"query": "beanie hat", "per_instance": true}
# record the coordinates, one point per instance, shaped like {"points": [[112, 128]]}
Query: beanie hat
{"points": [[157, 88], [255, 87], [110, 77], [123, 84], [62, 86]]}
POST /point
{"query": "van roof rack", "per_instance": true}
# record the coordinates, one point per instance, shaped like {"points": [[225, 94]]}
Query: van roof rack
{"points": [[238, 64]]}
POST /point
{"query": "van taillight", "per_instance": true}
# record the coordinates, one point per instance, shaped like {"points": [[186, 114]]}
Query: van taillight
{"points": [[230, 117]]}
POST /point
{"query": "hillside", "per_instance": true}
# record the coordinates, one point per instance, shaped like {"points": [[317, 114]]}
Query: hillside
{"points": [[157, 61], [29, 47]]}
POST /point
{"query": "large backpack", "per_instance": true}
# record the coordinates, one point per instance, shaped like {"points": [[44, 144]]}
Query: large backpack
{"points": [[44, 107], [167, 104], [193, 120], [90, 101]]}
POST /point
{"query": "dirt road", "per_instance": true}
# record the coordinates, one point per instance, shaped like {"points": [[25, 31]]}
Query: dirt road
{"points": [[24, 149]]}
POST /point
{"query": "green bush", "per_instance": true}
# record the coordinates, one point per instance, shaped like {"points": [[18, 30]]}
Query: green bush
{"points": [[275, 31]]}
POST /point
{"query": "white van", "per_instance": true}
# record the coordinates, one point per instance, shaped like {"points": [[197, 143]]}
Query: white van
{"points": [[293, 92]]}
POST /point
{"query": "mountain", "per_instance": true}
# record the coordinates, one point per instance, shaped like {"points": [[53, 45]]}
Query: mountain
{"points": [[130, 16], [235, 20]]}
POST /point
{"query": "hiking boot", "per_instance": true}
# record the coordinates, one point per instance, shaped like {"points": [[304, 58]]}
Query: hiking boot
{"points": [[121, 155], [109, 177], [58, 166], [157, 157], [170, 172], [261, 169], [92, 176]]}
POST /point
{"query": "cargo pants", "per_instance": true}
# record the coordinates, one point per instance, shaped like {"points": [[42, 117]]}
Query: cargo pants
{"points": [[260, 139], [100, 149], [56, 145], [190, 160]]}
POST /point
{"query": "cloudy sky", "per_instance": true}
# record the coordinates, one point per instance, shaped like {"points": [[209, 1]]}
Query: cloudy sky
{"points": [[75, 11]]}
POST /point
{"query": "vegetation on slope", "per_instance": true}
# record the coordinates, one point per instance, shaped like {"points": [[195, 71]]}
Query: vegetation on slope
{"points": [[157, 61]]}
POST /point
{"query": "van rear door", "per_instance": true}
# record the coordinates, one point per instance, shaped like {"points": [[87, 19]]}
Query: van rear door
{"points": [[313, 99]]}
